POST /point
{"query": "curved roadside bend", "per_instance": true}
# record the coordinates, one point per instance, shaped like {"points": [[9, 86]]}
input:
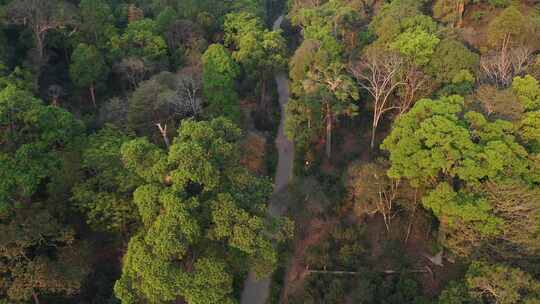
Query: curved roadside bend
{"points": [[257, 291]]}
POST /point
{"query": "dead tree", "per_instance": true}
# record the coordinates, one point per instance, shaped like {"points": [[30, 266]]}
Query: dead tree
{"points": [[377, 75], [187, 100], [55, 92], [133, 69], [501, 67], [414, 81], [163, 131]]}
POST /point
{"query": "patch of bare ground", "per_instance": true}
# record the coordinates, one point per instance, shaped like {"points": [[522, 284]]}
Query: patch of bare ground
{"points": [[416, 240], [315, 230]]}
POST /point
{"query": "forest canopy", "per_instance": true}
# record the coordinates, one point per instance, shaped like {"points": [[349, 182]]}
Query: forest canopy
{"points": [[270, 151]]}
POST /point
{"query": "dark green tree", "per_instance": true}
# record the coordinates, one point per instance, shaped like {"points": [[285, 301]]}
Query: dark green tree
{"points": [[33, 138], [39, 256], [97, 23], [88, 68]]}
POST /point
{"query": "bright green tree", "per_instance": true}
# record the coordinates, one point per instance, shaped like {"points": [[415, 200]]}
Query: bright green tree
{"points": [[261, 52], [105, 193], [333, 23], [393, 18], [465, 219], [432, 140], [492, 283], [436, 143], [204, 218], [33, 138], [219, 74], [141, 39], [528, 91], [428, 140], [416, 44], [449, 58]]}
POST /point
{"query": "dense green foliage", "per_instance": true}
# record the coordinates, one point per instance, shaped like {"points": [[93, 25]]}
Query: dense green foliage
{"points": [[199, 211], [350, 151]]}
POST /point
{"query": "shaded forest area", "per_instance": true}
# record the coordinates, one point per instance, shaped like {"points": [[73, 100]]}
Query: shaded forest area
{"points": [[137, 151]]}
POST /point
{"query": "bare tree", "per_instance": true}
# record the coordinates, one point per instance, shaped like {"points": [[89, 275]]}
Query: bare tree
{"points": [[521, 58], [41, 16], [134, 69], [372, 191], [414, 82], [114, 111], [186, 99], [163, 132], [377, 74], [500, 67], [55, 92]]}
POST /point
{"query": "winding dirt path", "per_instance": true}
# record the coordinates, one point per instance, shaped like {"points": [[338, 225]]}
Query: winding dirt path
{"points": [[257, 291]]}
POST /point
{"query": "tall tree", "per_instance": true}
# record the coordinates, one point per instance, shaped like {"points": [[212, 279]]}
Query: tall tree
{"points": [[459, 155], [322, 85], [493, 283], [33, 137], [219, 74], [87, 69], [105, 192], [97, 23], [204, 218], [337, 92], [528, 91], [259, 51], [377, 74], [41, 16], [140, 40]]}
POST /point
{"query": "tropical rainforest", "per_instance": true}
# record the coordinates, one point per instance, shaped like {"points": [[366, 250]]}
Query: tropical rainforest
{"points": [[270, 151]]}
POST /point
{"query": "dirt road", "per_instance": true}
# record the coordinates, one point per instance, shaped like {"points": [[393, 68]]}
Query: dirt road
{"points": [[256, 291]]}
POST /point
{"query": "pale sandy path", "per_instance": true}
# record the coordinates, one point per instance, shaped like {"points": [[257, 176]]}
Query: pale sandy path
{"points": [[256, 291]]}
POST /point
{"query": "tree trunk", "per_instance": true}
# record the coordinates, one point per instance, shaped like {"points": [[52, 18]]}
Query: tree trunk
{"points": [[386, 221], [263, 93], [163, 131], [35, 297], [328, 131], [93, 94], [373, 130], [40, 49], [41, 54], [460, 10]]}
